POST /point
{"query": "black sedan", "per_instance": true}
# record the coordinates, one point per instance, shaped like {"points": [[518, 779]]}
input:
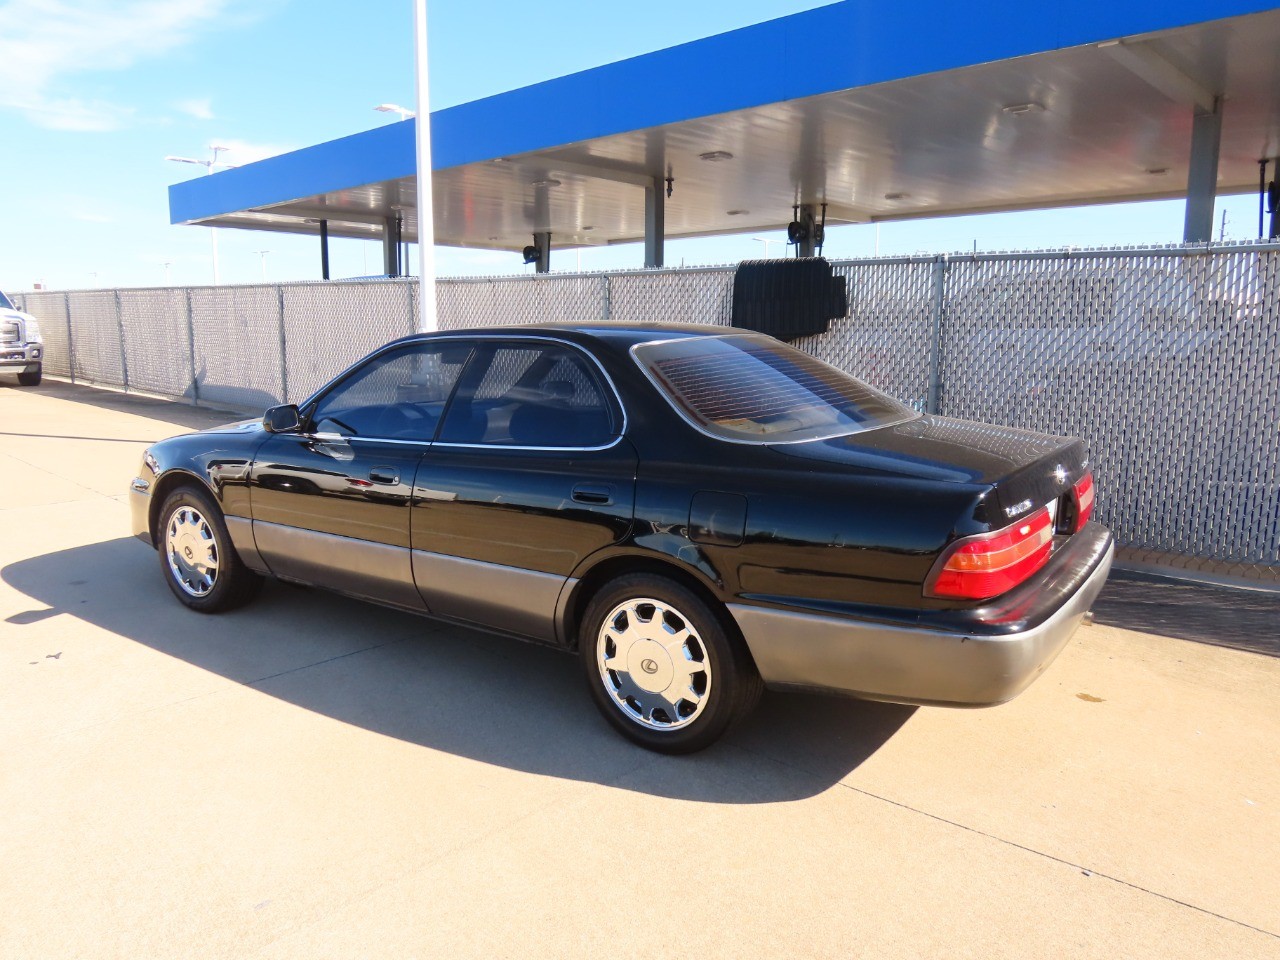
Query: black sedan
{"points": [[699, 512]]}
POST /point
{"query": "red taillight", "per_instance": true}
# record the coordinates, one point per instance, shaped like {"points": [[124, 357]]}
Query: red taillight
{"points": [[978, 568], [1084, 499]]}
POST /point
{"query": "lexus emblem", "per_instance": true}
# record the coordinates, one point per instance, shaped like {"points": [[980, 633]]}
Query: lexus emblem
{"points": [[1060, 474], [187, 551], [649, 666]]}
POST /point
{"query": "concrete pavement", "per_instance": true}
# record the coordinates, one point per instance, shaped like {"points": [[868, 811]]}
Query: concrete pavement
{"points": [[316, 777]]}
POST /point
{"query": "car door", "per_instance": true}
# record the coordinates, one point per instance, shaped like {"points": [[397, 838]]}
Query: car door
{"points": [[331, 503], [530, 473]]}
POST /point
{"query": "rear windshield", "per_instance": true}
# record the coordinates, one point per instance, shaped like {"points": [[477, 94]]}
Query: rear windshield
{"points": [[754, 388]]}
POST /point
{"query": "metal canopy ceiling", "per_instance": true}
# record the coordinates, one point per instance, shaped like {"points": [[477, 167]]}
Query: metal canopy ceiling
{"points": [[853, 105]]}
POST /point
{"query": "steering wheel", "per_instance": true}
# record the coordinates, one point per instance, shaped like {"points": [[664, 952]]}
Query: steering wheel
{"points": [[403, 421]]}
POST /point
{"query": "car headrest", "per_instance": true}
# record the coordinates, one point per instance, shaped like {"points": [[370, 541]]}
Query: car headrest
{"points": [[558, 390]]}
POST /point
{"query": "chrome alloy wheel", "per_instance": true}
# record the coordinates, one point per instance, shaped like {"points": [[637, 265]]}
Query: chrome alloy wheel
{"points": [[192, 551], [654, 665]]}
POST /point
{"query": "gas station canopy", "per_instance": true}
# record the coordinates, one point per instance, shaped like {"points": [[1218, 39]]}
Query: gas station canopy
{"points": [[881, 111]]}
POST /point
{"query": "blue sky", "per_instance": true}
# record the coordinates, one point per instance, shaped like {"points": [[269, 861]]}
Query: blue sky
{"points": [[94, 94]]}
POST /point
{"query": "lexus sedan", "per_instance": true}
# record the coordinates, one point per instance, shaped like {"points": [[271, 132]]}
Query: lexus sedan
{"points": [[698, 512]]}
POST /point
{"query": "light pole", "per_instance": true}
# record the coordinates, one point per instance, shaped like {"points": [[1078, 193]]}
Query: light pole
{"points": [[263, 255], [405, 112], [208, 166], [766, 241], [426, 212]]}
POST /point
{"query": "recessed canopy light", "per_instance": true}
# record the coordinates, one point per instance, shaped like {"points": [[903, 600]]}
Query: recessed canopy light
{"points": [[589, 227], [491, 239], [736, 213], [896, 196], [1157, 171], [715, 156], [1019, 109], [545, 182], [499, 160]]}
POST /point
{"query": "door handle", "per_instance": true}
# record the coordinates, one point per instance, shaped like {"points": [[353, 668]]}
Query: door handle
{"points": [[388, 475], [598, 494]]}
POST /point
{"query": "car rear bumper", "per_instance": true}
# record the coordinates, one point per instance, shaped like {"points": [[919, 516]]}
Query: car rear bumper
{"points": [[970, 658]]}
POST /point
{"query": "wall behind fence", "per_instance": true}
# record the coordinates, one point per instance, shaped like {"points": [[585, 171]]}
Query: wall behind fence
{"points": [[1166, 361]]}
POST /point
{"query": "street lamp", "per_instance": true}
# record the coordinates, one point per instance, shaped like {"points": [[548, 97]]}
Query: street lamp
{"points": [[766, 241], [405, 112], [263, 255], [209, 165]]}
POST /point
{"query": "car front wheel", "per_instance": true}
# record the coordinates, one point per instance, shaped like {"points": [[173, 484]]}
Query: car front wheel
{"points": [[199, 563], [662, 667]]}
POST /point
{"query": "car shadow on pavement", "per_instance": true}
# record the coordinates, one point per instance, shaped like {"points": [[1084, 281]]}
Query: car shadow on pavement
{"points": [[181, 415], [446, 688]]}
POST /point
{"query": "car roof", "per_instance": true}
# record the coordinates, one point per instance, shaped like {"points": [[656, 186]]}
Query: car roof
{"points": [[620, 334]]}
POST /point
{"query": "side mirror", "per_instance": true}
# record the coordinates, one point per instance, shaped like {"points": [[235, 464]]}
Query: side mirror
{"points": [[282, 419]]}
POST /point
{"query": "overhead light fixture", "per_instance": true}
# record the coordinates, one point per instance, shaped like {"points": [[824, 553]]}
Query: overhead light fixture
{"points": [[736, 213], [545, 182], [715, 156], [896, 196], [405, 112], [1157, 171], [492, 239], [589, 227], [1020, 109]]}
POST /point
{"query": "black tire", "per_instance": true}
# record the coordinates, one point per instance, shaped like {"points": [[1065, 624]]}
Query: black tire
{"points": [[720, 693], [195, 522], [31, 378]]}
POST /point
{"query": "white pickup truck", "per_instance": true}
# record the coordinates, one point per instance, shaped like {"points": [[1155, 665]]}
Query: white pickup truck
{"points": [[21, 347]]}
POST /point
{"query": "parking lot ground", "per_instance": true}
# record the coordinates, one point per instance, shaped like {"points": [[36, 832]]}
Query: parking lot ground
{"points": [[315, 777]]}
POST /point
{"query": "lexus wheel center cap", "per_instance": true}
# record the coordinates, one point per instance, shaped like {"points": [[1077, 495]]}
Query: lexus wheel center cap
{"points": [[650, 666]]}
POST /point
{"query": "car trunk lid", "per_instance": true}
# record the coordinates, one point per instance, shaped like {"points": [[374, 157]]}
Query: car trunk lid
{"points": [[1027, 469]]}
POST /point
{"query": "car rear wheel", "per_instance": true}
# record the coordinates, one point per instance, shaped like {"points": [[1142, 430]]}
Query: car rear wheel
{"points": [[662, 667], [200, 564], [31, 378]]}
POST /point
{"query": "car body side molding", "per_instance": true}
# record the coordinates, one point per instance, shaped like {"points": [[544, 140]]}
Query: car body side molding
{"points": [[509, 599], [241, 530], [374, 571]]}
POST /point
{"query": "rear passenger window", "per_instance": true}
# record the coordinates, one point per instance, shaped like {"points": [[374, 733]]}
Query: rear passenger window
{"points": [[531, 395]]}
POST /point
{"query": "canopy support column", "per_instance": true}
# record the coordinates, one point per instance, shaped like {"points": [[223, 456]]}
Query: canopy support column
{"points": [[390, 248], [1202, 173], [324, 249], [542, 241], [807, 245], [655, 221]]}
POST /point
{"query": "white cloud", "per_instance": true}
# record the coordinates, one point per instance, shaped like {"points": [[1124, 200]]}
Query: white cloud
{"points": [[43, 42], [201, 108]]}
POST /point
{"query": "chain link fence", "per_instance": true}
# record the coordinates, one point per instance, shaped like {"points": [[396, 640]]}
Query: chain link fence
{"points": [[1166, 360]]}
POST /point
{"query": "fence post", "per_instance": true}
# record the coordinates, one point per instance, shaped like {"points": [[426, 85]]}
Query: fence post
{"points": [[71, 343], [191, 349], [284, 361], [413, 317], [934, 400], [608, 298], [124, 354]]}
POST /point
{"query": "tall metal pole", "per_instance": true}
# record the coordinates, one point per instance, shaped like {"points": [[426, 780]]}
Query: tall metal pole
{"points": [[426, 212]]}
